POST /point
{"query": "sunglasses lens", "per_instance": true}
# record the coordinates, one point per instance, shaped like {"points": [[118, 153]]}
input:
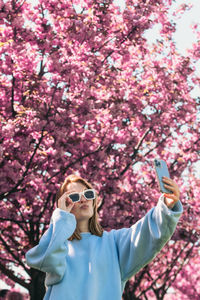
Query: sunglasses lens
{"points": [[89, 194], [74, 197]]}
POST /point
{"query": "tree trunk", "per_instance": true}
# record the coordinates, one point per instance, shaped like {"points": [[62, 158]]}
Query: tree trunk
{"points": [[37, 287], [129, 293]]}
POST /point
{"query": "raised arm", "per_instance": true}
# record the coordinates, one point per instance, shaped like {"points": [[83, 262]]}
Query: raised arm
{"points": [[138, 245], [49, 255]]}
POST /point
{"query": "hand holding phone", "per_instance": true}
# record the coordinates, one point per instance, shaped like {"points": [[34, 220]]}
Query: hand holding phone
{"points": [[166, 184], [162, 171]]}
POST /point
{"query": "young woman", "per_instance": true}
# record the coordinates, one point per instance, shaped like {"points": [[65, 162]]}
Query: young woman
{"points": [[83, 262]]}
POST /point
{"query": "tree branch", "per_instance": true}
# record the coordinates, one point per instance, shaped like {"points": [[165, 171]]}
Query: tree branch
{"points": [[135, 151], [10, 274], [74, 162], [166, 273], [14, 189], [12, 97], [13, 221], [12, 254]]}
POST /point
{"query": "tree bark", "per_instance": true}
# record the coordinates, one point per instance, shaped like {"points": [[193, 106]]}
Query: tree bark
{"points": [[37, 287]]}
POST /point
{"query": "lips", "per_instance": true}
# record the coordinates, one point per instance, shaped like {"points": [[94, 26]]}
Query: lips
{"points": [[84, 206]]}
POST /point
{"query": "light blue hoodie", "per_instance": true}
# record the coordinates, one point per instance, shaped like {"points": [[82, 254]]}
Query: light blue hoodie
{"points": [[97, 268]]}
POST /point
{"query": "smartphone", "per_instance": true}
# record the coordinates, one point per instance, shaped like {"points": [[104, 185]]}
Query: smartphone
{"points": [[161, 170]]}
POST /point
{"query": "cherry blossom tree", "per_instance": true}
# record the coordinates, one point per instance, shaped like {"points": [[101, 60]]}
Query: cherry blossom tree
{"points": [[82, 90]]}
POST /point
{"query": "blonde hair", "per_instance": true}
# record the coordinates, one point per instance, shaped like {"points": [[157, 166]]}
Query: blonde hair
{"points": [[94, 226]]}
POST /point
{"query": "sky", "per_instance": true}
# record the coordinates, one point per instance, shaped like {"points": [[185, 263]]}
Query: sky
{"points": [[183, 36]]}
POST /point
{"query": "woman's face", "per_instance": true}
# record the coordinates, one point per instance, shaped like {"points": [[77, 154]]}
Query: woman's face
{"points": [[83, 210]]}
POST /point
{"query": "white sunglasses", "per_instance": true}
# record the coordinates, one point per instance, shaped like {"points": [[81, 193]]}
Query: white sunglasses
{"points": [[88, 194]]}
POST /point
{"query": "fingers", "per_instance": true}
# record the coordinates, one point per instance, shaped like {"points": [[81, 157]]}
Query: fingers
{"points": [[171, 199], [168, 181], [170, 185], [65, 203]]}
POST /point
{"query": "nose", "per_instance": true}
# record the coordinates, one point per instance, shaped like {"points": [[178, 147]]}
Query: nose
{"points": [[83, 199]]}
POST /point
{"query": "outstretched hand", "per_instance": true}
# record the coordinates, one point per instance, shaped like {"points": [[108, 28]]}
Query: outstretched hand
{"points": [[171, 199]]}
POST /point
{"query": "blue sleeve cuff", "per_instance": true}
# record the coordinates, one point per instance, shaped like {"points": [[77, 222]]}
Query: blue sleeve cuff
{"points": [[60, 214], [177, 209]]}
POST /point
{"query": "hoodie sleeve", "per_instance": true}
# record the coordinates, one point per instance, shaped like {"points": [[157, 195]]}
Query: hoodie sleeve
{"points": [[49, 255], [138, 245]]}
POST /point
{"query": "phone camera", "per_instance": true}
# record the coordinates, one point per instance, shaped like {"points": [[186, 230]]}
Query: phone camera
{"points": [[157, 163]]}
